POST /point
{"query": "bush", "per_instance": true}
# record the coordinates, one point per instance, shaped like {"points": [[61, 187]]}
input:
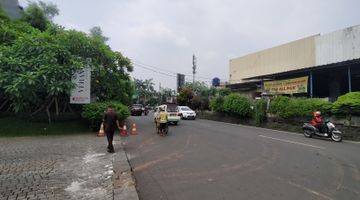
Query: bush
{"points": [[237, 105], [348, 104], [216, 104], [286, 107], [94, 112], [260, 111]]}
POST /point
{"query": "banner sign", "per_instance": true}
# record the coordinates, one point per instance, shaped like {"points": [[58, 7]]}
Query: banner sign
{"points": [[81, 93], [288, 86]]}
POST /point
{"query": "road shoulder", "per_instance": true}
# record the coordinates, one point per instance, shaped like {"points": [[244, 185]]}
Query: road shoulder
{"points": [[123, 179]]}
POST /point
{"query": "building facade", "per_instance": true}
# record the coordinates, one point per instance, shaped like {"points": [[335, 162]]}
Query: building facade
{"points": [[12, 8], [331, 63]]}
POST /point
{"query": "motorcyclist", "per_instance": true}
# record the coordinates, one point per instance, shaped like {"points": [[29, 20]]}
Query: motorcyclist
{"points": [[162, 119], [318, 122]]}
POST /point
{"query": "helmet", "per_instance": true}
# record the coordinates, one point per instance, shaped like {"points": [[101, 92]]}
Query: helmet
{"points": [[317, 113]]}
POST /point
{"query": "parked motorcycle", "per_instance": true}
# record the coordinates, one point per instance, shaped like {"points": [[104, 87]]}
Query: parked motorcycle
{"points": [[329, 132]]}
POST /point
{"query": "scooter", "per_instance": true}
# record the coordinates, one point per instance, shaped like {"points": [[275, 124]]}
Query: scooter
{"points": [[331, 131]]}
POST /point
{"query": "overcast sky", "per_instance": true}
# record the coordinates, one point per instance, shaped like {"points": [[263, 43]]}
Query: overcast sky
{"points": [[166, 33]]}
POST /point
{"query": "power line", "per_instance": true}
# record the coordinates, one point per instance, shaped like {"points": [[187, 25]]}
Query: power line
{"points": [[155, 69]]}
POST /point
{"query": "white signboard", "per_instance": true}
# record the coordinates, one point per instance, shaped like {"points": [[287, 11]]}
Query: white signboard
{"points": [[81, 93]]}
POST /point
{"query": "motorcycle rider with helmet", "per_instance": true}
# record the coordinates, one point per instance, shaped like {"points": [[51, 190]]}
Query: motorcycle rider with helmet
{"points": [[318, 122], [162, 120]]}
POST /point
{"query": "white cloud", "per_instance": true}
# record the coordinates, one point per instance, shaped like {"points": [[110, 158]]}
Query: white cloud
{"points": [[165, 33]]}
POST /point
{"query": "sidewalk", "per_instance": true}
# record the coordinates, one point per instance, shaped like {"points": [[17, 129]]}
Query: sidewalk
{"points": [[64, 167]]}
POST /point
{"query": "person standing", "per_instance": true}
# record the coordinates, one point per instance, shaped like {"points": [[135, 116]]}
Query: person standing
{"points": [[110, 121]]}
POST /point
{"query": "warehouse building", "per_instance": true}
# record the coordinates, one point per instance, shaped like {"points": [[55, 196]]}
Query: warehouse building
{"points": [[323, 66], [12, 8]]}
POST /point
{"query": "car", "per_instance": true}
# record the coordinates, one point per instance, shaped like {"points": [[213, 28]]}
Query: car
{"points": [[172, 110], [186, 112], [136, 109]]}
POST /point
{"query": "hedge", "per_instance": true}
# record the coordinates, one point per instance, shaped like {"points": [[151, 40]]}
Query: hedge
{"points": [[286, 107], [260, 111], [94, 112], [216, 104], [237, 105], [348, 104]]}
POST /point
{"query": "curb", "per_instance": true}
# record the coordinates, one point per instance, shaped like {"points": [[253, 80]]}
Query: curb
{"points": [[123, 180], [274, 130]]}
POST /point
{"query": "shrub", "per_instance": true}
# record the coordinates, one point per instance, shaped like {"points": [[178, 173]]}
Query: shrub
{"points": [[237, 105], [260, 111], [94, 112], [279, 104], [348, 104], [286, 107], [216, 104]]}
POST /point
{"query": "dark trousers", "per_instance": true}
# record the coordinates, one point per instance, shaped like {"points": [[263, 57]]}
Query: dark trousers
{"points": [[110, 137]]}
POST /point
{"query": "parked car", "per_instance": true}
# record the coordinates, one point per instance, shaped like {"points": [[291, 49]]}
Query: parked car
{"points": [[186, 112], [172, 110], [136, 109]]}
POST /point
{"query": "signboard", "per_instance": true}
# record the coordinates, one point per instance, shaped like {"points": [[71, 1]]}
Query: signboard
{"points": [[180, 81], [81, 93], [288, 86], [215, 82]]}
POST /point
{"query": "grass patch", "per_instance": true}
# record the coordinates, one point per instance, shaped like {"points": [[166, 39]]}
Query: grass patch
{"points": [[15, 127]]}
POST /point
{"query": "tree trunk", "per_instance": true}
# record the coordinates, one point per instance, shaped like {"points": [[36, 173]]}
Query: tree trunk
{"points": [[48, 110], [3, 104], [56, 106]]}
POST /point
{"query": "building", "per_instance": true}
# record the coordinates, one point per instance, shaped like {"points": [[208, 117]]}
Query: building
{"points": [[12, 8], [324, 66]]}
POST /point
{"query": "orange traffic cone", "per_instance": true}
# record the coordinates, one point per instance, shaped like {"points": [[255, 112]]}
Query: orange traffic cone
{"points": [[133, 129], [123, 131]]}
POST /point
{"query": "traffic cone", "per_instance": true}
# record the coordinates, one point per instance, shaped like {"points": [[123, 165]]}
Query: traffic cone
{"points": [[133, 129], [123, 131]]}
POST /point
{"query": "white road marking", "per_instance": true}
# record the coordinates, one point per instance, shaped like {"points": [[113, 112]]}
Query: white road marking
{"points": [[292, 142]]}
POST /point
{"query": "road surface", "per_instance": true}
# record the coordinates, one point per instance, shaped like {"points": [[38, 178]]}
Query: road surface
{"points": [[212, 160]]}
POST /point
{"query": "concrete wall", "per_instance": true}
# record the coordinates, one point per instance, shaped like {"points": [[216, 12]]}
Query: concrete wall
{"points": [[11, 7], [318, 50], [338, 46], [291, 56]]}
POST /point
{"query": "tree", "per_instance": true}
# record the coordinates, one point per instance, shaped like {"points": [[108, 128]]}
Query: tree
{"points": [[39, 14], [145, 89], [96, 32], [36, 66], [50, 9]]}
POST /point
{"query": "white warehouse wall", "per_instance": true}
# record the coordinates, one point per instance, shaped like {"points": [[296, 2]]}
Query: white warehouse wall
{"points": [[338, 46]]}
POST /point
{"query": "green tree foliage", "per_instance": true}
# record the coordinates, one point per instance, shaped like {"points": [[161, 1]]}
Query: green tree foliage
{"points": [[348, 104], [286, 107], [237, 105], [94, 112], [36, 66], [216, 104], [185, 96], [97, 33], [49, 9], [260, 111], [145, 90], [39, 14]]}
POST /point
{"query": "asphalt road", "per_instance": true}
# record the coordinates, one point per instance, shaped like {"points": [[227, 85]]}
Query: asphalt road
{"points": [[211, 160]]}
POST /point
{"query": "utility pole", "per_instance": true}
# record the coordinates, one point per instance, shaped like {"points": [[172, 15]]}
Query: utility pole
{"points": [[194, 68]]}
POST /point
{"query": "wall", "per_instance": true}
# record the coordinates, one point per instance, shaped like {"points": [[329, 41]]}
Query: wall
{"points": [[11, 7], [338, 46], [291, 56]]}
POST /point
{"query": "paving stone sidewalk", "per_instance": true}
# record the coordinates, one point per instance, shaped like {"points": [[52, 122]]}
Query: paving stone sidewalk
{"points": [[63, 167]]}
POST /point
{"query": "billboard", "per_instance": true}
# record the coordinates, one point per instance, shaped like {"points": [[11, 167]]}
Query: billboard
{"points": [[180, 81], [81, 93], [288, 86]]}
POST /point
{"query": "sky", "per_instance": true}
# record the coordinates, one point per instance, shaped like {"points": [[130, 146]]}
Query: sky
{"points": [[160, 36]]}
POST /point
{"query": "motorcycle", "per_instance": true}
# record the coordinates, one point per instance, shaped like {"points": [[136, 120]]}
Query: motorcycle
{"points": [[162, 130], [329, 132]]}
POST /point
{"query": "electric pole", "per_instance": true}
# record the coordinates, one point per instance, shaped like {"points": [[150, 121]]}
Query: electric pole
{"points": [[194, 68]]}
